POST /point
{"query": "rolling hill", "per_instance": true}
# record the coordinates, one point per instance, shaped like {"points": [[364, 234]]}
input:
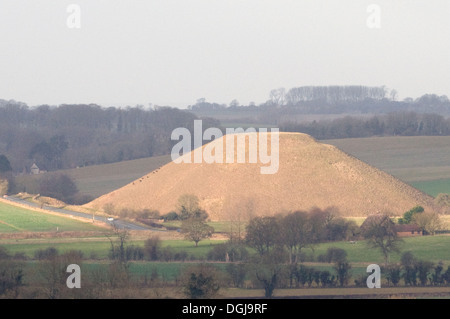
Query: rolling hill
{"points": [[310, 174]]}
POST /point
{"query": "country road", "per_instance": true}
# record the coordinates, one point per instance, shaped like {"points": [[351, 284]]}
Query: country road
{"points": [[117, 222]]}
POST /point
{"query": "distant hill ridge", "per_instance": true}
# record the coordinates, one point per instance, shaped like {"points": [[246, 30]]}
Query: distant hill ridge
{"points": [[310, 174]]}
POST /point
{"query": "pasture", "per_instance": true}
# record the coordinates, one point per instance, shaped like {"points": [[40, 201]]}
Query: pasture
{"points": [[17, 219], [422, 161], [431, 248]]}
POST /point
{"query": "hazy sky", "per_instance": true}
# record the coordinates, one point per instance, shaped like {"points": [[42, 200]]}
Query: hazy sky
{"points": [[172, 52]]}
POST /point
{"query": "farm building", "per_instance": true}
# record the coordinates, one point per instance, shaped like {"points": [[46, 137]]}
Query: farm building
{"points": [[408, 230], [402, 230], [376, 219]]}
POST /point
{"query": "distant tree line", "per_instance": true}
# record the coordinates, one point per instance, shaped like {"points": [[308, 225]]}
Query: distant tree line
{"points": [[351, 100], [68, 136], [392, 124]]}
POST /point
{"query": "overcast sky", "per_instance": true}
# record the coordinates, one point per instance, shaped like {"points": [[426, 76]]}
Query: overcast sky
{"points": [[173, 52]]}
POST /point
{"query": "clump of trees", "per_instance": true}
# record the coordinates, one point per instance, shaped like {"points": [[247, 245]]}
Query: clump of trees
{"points": [[282, 238], [428, 222], [399, 123], [300, 230], [409, 215]]}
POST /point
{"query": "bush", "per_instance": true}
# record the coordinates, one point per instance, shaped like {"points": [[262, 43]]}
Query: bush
{"points": [[237, 273], [333, 255], [4, 254], [133, 252], [46, 254], [326, 279], [342, 268], [148, 214], [304, 275], [393, 274], [59, 186], [200, 282], [180, 256], [79, 199], [170, 216], [152, 248]]}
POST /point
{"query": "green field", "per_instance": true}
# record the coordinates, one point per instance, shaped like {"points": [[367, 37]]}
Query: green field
{"points": [[432, 248], [422, 161], [433, 188], [16, 219]]}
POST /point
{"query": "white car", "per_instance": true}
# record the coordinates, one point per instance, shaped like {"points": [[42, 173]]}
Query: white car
{"points": [[110, 219]]}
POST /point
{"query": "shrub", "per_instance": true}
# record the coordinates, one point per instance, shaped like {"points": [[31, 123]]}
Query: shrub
{"points": [[332, 255], [46, 254], [237, 273], [170, 216], [133, 252], [180, 256], [304, 275], [4, 254], [152, 248], [342, 268], [200, 282], [393, 274], [59, 186], [326, 279]]}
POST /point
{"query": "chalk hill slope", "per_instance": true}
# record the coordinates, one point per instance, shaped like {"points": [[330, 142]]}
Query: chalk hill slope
{"points": [[310, 174]]}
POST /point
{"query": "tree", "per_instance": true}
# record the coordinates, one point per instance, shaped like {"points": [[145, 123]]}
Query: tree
{"points": [[296, 234], [262, 233], [5, 165], [380, 233], [59, 186], [11, 274], [188, 206], [408, 262], [393, 274], [6, 178], [408, 216], [200, 282], [118, 239], [195, 230], [442, 199], [342, 268], [429, 222], [268, 269], [152, 247]]}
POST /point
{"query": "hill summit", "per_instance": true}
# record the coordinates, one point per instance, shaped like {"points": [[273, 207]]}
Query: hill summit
{"points": [[310, 174]]}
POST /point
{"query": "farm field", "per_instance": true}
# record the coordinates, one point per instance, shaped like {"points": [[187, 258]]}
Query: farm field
{"points": [[431, 248], [433, 188], [17, 219], [98, 180], [421, 161]]}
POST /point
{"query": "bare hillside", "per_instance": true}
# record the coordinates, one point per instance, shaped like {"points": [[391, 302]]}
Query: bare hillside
{"points": [[310, 174]]}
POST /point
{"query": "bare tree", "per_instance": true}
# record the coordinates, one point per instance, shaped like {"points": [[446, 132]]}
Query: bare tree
{"points": [[429, 222], [380, 233], [196, 230], [262, 233], [296, 234]]}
